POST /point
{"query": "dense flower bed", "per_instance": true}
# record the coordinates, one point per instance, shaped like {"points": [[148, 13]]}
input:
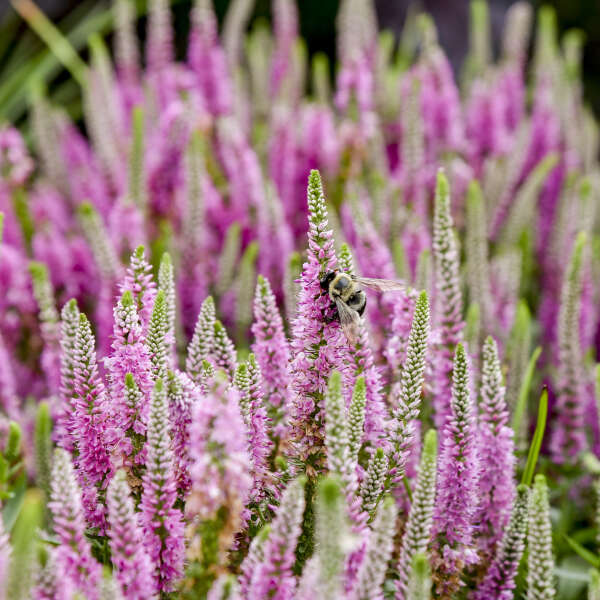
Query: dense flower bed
{"points": [[183, 415]]}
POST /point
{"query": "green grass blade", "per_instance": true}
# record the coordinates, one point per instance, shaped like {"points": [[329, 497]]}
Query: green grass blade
{"points": [[538, 436], [53, 37], [524, 392], [586, 554]]}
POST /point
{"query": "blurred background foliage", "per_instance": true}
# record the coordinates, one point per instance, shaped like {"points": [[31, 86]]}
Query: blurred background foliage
{"points": [[26, 63]]}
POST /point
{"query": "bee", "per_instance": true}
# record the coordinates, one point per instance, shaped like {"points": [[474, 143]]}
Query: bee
{"points": [[348, 299]]}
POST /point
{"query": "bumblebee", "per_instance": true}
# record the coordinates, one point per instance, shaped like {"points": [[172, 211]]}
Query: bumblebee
{"points": [[349, 301]]}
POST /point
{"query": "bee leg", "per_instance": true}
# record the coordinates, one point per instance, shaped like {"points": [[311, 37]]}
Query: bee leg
{"points": [[334, 314]]}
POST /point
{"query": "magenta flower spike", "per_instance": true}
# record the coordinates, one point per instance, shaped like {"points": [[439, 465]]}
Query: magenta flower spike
{"points": [[568, 437], [457, 486], [73, 555], [272, 352], [223, 355], [273, 576], [159, 47], [130, 357], [202, 343], [220, 468], [48, 316], [317, 346], [51, 583], [63, 433], [406, 394], [207, 60], [448, 300], [139, 281], [496, 452], [274, 236], [285, 13], [182, 394], [162, 522], [132, 565], [499, 581], [90, 423], [248, 381], [15, 162]]}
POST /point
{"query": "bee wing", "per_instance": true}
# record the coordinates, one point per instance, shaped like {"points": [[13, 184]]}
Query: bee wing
{"points": [[349, 320], [381, 285]]}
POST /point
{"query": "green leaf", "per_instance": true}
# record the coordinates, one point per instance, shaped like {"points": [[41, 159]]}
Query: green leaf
{"points": [[524, 392], [538, 436], [13, 505], [586, 554]]}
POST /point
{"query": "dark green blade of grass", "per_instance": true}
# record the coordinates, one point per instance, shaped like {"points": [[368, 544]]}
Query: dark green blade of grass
{"points": [[521, 406], [538, 436]]}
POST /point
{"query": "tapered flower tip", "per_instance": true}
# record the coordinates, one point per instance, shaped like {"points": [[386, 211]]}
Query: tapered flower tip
{"points": [[159, 301], [460, 354], [430, 442], [539, 480], [522, 490], [127, 298], [474, 191], [83, 320], [38, 270], [379, 453], [422, 302], [165, 260], [360, 387], [86, 209], [335, 382], [329, 491], [70, 306], [13, 443], [139, 252], [314, 179], [442, 188], [420, 566]]}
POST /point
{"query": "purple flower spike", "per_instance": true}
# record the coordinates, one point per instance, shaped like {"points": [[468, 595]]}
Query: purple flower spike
{"points": [[133, 568], [499, 582], [90, 423], [130, 357], [318, 345], [448, 307], [220, 461], [273, 577], [272, 353], [73, 555], [458, 474], [568, 438], [496, 452], [140, 283], [162, 522]]}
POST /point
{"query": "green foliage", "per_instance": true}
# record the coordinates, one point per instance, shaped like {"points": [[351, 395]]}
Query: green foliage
{"points": [[43, 447], [13, 481], [536, 442]]}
